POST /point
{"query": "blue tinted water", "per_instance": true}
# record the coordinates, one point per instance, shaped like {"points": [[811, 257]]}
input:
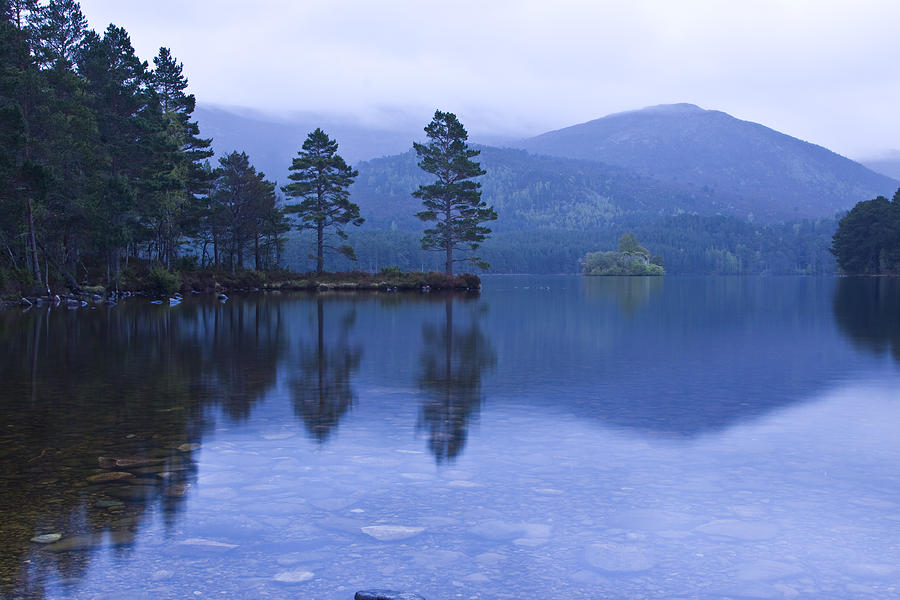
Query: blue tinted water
{"points": [[553, 437]]}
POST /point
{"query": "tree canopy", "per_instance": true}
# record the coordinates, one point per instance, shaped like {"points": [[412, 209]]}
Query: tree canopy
{"points": [[867, 240]]}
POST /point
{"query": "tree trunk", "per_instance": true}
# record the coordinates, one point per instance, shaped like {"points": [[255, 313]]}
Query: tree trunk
{"points": [[320, 247], [448, 263], [32, 243]]}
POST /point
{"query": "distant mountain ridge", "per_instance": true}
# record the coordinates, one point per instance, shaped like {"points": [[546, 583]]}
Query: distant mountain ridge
{"points": [[749, 168], [272, 142], [886, 164]]}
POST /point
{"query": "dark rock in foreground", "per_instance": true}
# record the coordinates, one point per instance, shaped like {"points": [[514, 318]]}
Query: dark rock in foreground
{"points": [[386, 595]]}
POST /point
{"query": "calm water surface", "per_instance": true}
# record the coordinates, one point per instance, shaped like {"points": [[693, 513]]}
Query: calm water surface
{"points": [[550, 438]]}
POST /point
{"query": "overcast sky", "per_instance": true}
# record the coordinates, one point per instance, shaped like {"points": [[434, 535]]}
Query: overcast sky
{"points": [[821, 70]]}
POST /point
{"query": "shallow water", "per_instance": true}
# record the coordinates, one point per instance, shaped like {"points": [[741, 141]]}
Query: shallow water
{"points": [[552, 437]]}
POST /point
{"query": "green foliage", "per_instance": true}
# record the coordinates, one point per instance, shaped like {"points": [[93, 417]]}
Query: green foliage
{"points": [[628, 244], [453, 200], [243, 215], [619, 263], [186, 263], [392, 271], [321, 179], [867, 240], [162, 281], [631, 259]]}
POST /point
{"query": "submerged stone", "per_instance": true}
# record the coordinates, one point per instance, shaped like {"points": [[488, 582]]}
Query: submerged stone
{"points": [[176, 491], [741, 530], [294, 576], [111, 462], [86, 542], [386, 595], [110, 476], [206, 544], [618, 558], [132, 493], [47, 538], [108, 503], [389, 533]]}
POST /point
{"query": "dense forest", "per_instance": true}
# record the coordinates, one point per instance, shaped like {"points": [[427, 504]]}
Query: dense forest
{"points": [[867, 240], [688, 244], [103, 167]]}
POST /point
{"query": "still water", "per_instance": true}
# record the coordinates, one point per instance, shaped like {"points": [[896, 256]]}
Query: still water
{"points": [[552, 437]]}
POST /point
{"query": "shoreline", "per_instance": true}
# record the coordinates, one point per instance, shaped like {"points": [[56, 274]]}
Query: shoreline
{"points": [[252, 282]]}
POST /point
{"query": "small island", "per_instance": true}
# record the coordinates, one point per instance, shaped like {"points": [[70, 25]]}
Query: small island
{"points": [[631, 259]]}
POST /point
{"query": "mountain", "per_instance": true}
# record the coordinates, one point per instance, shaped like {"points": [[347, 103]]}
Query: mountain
{"points": [[272, 141], [749, 168]]}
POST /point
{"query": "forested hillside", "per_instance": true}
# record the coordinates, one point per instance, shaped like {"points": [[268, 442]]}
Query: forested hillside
{"points": [[555, 210], [529, 192]]}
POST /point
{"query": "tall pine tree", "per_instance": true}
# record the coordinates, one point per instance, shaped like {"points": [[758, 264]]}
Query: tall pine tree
{"points": [[321, 178], [181, 180], [454, 199]]}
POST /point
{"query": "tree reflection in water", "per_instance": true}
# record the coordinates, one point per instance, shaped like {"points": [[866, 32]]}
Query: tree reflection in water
{"points": [[866, 310], [323, 393], [80, 388], [453, 362]]}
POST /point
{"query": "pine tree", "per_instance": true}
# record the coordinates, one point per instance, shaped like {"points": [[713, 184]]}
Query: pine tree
{"points": [[60, 30], [21, 83], [321, 178], [128, 121], [242, 203], [453, 200], [181, 180]]}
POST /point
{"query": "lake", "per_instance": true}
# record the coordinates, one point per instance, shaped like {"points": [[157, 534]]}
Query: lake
{"points": [[551, 437]]}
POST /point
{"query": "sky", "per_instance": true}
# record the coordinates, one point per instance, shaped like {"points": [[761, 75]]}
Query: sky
{"points": [[824, 71]]}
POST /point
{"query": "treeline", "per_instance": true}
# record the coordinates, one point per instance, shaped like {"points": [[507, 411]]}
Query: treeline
{"points": [[102, 163], [688, 244]]}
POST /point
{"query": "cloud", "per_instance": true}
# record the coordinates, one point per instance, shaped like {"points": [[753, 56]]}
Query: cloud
{"points": [[820, 70]]}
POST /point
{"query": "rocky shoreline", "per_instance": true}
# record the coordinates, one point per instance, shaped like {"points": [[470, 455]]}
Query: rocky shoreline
{"points": [[259, 283]]}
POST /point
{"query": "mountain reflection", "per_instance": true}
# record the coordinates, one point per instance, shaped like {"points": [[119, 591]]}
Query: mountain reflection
{"points": [[323, 392], [453, 361], [866, 310], [103, 411]]}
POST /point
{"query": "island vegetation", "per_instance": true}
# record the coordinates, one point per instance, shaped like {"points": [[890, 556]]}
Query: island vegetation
{"points": [[630, 259]]}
